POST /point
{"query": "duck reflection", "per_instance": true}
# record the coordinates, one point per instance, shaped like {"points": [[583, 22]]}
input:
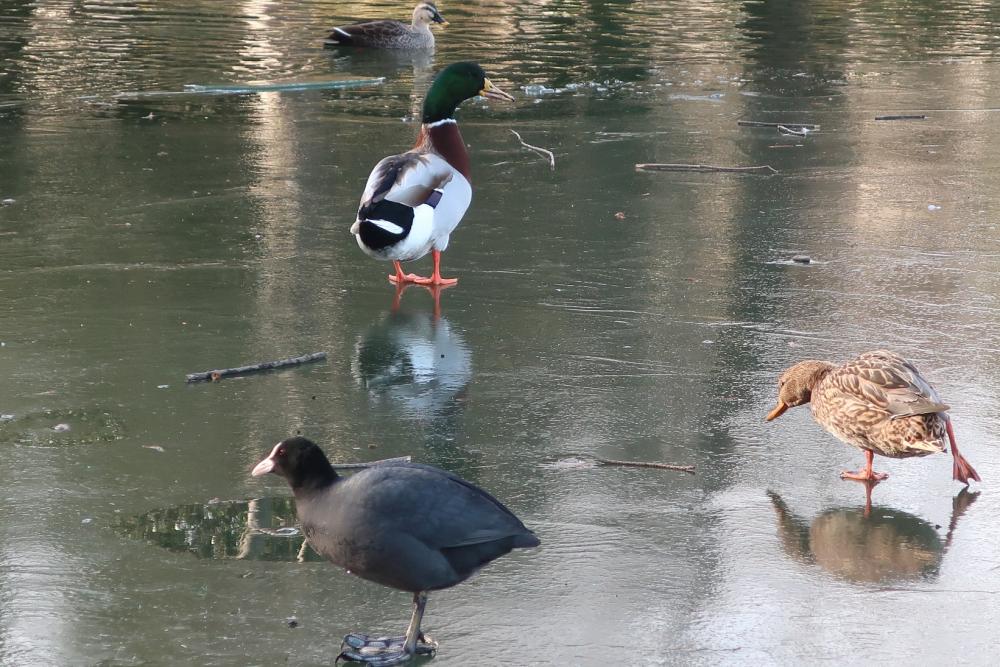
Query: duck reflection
{"points": [[259, 529], [414, 363], [868, 545]]}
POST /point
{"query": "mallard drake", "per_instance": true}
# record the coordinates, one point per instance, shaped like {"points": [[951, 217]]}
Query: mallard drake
{"points": [[878, 403], [390, 34], [413, 201]]}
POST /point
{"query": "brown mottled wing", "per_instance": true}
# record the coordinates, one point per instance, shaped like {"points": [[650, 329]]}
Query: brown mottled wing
{"points": [[885, 380], [370, 33]]}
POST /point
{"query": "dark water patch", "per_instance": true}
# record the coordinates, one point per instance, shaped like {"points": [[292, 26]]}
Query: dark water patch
{"points": [[259, 529]]}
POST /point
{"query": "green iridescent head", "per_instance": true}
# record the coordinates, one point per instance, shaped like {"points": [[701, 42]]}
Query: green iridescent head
{"points": [[455, 84]]}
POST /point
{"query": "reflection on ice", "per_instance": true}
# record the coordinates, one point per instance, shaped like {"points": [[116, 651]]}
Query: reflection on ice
{"points": [[259, 529], [868, 544], [414, 363]]}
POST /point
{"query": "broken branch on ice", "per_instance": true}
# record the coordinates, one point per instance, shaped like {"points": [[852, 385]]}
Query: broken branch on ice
{"points": [[542, 151], [369, 464], [757, 123], [646, 464], [761, 169], [255, 368], [792, 131], [918, 116]]}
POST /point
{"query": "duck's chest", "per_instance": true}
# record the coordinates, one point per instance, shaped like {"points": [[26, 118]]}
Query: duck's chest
{"points": [[443, 138], [847, 418]]}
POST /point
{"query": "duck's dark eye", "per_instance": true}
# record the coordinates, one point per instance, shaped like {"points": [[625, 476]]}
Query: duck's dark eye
{"points": [[280, 452]]}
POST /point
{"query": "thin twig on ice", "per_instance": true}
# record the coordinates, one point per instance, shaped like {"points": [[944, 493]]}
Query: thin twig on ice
{"points": [[757, 123], [646, 464], [369, 464], [543, 151], [762, 169], [918, 116]]}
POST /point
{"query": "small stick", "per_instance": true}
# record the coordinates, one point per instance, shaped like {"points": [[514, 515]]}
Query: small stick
{"points": [[543, 151], [369, 464], [762, 169], [645, 464], [788, 130], [756, 123], [919, 116], [265, 366]]}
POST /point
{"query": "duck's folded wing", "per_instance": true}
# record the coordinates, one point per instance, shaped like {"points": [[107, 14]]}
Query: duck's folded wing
{"points": [[886, 380], [408, 178], [366, 33]]}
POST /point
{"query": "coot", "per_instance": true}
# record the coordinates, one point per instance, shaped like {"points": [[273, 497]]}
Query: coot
{"points": [[413, 527]]}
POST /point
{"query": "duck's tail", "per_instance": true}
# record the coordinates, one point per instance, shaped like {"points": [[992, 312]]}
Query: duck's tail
{"points": [[961, 470], [382, 224], [339, 37]]}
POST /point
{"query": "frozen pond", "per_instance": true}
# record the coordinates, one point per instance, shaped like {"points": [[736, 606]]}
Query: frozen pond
{"points": [[146, 233]]}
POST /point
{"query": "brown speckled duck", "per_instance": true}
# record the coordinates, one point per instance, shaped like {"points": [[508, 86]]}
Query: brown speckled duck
{"points": [[878, 403], [390, 34]]}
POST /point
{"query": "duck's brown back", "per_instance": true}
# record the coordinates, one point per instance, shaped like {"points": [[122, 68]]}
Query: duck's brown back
{"points": [[879, 401]]}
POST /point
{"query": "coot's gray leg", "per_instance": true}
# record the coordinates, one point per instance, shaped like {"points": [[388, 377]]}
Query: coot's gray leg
{"points": [[413, 631], [385, 651]]}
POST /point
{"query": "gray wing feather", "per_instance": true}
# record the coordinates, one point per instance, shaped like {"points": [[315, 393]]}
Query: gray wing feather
{"points": [[371, 33], [392, 172], [440, 509]]}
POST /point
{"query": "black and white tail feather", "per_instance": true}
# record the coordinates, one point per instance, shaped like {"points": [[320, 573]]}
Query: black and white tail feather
{"points": [[385, 223]]}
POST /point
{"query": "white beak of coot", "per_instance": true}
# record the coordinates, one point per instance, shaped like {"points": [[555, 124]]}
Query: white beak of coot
{"points": [[267, 465], [264, 467]]}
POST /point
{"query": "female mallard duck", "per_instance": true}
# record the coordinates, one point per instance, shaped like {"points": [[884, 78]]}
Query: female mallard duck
{"points": [[389, 34], [413, 201], [878, 403]]}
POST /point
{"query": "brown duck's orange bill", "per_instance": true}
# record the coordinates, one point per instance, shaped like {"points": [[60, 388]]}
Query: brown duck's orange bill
{"points": [[779, 410]]}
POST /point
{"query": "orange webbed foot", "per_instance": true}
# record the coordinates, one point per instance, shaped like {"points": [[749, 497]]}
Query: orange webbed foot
{"points": [[436, 281], [407, 278], [864, 475]]}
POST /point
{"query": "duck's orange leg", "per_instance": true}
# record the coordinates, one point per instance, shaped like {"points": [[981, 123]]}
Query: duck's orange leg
{"points": [[436, 278], [866, 475], [961, 470], [397, 298], [435, 291], [399, 277], [868, 498]]}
